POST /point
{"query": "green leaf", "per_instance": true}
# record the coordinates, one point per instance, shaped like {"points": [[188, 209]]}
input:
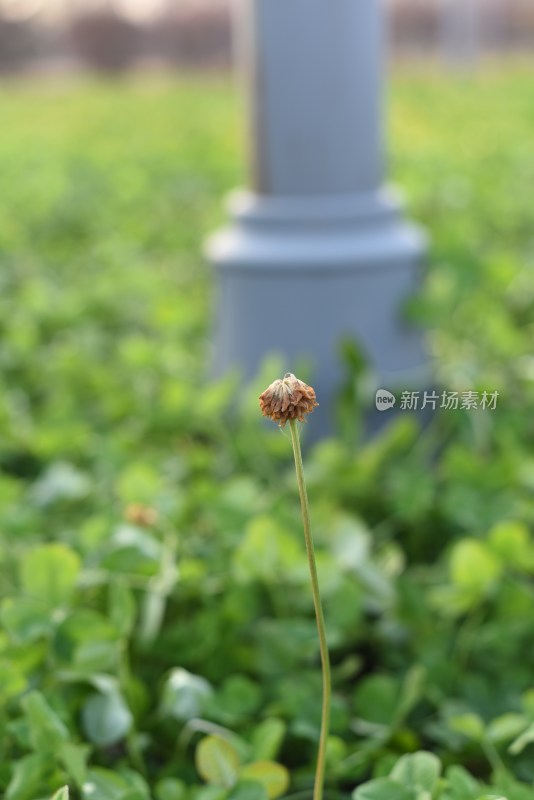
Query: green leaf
{"points": [[248, 790], [61, 482], [62, 794], [512, 543], [526, 738], [74, 759], [122, 609], [283, 644], [27, 776], [89, 641], [411, 691], [47, 731], [272, 776], [336, 752], [25, 619], [267, 738], [133, 550], [139, 483], [217, 761], [463, 785], [474, 567], [106, 718], [527, 701], [383, 789], [103, 784], [171, 789], [469, 725], [419, 771], [238, 696], [266, 551], [49, 572], [377, 698], [96, 656], [210, 793], [506, 787], [12, 683], [497, 797], [184, 694], [506, 727]]}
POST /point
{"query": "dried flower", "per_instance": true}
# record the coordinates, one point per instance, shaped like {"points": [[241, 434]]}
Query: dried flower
{"points": [[139, 514], [284, 401], [287, 399]]}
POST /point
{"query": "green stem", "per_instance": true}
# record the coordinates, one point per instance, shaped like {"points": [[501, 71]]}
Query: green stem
{"points": [[325, 658]]}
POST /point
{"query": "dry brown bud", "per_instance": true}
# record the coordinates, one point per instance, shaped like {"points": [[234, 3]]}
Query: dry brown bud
{"points": [[142, 515], [287, 399]]}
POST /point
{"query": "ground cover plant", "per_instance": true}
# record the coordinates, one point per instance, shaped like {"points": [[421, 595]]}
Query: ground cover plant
{"points": [[156, 627]]}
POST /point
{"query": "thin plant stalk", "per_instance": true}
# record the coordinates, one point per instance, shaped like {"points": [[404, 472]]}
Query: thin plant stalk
{"points": [[319, 615], [290, 400]]}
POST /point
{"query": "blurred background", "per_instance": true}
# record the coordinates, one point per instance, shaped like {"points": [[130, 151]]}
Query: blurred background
{"points": [[153, 583], [196, 34]]}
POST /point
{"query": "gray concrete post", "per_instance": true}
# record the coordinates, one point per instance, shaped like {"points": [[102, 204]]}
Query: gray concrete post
{"points": [[317, 249]]}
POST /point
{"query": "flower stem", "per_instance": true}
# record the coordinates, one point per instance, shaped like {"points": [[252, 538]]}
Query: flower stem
{"points": [[319, 616]]}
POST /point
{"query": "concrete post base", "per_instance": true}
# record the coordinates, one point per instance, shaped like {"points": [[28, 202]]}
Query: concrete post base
{"points": [[295, 274]]}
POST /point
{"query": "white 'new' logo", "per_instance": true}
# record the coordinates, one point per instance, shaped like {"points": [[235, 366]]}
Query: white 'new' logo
{"points": [[384, 399]]}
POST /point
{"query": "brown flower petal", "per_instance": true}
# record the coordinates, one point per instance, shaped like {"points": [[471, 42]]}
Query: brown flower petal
{"points": [[287, 399]]}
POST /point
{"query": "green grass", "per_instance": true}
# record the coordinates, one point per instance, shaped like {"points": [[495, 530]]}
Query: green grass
{"points": [[425, 548]]}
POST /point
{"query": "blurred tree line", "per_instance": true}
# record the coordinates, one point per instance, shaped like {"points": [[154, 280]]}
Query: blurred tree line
{"points": [[199, 36], [108, 41]]}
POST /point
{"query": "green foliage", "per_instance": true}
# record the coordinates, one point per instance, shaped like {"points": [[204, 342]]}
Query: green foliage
{"points": [[217, 761], [62, 794], [273, 777], [127, 648], [417, 777]]}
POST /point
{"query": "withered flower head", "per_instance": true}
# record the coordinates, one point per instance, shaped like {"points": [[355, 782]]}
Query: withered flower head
{"points": [[287, 399], [139, 514]]}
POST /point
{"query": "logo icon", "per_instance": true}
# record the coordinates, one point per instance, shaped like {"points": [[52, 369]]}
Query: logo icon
{"points": [[384, 400]]}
